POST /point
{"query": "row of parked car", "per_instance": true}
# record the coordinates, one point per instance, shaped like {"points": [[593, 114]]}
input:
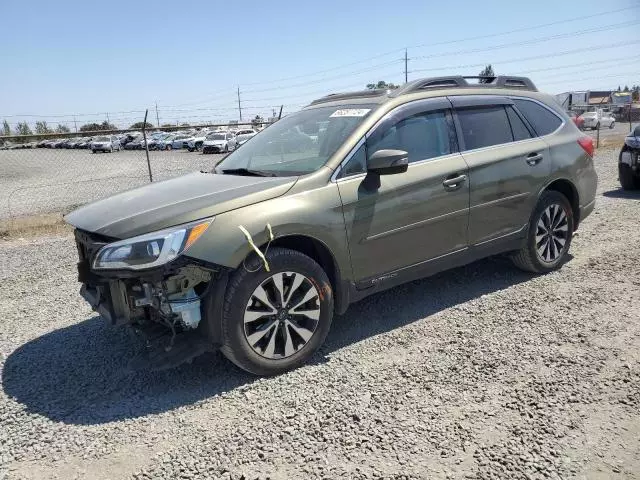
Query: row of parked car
{"points": [[206, 140]]}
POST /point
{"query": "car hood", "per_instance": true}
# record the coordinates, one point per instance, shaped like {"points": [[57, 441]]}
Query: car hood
{"points": [[172, 202]]}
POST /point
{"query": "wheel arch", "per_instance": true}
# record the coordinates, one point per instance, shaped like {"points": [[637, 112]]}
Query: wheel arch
{"points": [[320, 253], [569, 190]]}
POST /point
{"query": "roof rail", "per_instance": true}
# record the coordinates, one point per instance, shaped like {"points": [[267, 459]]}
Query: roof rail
{"points": [[360, 94], [500, 81]]}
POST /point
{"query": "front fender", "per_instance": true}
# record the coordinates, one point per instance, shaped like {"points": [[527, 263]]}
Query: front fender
{"points": [[315, 213]]}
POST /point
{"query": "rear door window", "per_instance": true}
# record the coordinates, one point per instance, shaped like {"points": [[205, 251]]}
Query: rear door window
{"points": [[484, 126], [541, 118]]}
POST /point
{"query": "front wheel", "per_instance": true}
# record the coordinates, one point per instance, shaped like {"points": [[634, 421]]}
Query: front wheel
{"points": [[275, 321], [168, 148], [628, 181], [549, 236]]}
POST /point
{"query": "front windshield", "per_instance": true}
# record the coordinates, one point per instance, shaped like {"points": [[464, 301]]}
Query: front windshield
{"points": [[300, 143], [215, 136]]}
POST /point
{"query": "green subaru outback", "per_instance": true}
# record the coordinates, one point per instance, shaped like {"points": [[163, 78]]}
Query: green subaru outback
{"points": [[354, 194]]}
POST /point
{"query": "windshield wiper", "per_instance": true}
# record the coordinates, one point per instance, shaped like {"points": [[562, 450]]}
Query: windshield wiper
{"points": [[248, 173]]}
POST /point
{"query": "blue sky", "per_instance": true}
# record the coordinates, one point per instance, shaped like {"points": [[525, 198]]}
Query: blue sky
{"points": [[81, 58]]}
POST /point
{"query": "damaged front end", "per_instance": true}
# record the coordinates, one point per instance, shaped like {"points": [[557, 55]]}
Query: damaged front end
{"points": [[171, 304]]}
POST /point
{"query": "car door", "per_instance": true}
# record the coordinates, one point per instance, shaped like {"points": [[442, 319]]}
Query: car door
{"points": [[508, 165], [399, 221]]}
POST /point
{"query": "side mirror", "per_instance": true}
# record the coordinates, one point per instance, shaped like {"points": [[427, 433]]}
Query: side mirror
{"points": [[388, 162]]}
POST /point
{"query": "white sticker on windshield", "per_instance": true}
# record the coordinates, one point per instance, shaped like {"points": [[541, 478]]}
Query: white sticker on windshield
{"points": [[350, 112]]}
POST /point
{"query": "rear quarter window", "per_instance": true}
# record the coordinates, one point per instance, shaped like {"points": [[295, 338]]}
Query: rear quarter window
{"points": [[540, 118]]}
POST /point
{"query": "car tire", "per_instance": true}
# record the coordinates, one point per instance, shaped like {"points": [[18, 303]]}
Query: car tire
{"points": [[273, 344], [93, 151], [613, 124], [628, 181], [549, 235], [168, 148]]}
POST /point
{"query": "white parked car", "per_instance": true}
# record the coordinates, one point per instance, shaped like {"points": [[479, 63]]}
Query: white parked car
{"points": [[597, 119], [107, 143], [219, 142]]}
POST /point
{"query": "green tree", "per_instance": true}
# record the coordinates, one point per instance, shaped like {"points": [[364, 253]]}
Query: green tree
{"points": [[6, 129], [185, 125], [92, 127], [619, 88], [41, 127], [487, 72], [23, 129], [382, 85], [635, 93], [141, 125], [62, 129], [626, 88], [168, 125]]}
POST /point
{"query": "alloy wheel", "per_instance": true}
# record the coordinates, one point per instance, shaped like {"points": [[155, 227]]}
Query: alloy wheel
{"points": [[552, 233], [282, 315]]}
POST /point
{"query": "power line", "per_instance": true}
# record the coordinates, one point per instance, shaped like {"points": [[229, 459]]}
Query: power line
{"points": [[532, 41], [535, 57], [523, 29], [573, 79], [459, 40]]}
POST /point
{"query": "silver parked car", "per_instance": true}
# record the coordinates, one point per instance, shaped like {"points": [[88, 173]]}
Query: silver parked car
{"points": [[107, 143]]}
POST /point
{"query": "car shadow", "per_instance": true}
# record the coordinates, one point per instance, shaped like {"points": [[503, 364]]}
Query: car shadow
{"points": [[620, 193], [78, 375]]}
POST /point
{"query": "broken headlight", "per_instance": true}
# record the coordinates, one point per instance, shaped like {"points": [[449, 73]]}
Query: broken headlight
{"points": [[151, 249]]}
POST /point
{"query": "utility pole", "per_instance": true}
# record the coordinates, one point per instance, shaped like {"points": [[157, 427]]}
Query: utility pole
{"points": [[157, 116], [406, 62], [75, 123], [107, 114], [239, 106]]}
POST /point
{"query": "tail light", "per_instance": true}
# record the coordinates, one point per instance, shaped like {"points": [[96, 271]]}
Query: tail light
{"points": [[586, 143]]}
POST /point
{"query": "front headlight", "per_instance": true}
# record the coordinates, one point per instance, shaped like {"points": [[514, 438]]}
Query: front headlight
{"points": [[151, 249]]}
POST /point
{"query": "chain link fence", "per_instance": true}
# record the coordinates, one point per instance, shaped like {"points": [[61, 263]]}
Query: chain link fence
{"points": [[54, 174]]}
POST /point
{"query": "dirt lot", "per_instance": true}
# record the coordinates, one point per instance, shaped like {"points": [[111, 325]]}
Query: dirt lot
{"points": [[36, 181], [481, 372]]}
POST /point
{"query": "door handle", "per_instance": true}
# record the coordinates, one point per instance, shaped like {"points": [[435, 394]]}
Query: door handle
{"points": [[454, 183], [534, 158]]}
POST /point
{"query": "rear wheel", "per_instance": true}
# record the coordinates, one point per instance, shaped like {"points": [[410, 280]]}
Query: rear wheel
{"points": [[628, 180], [168, 148], [549, 236], [274, 321]]}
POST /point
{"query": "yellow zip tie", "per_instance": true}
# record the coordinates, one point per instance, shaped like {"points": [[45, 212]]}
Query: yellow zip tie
{"points": [[253, 245]]}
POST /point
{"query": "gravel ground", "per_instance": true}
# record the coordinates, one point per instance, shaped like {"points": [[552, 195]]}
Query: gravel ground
{"points": [[52, 180], [481, 372]]}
